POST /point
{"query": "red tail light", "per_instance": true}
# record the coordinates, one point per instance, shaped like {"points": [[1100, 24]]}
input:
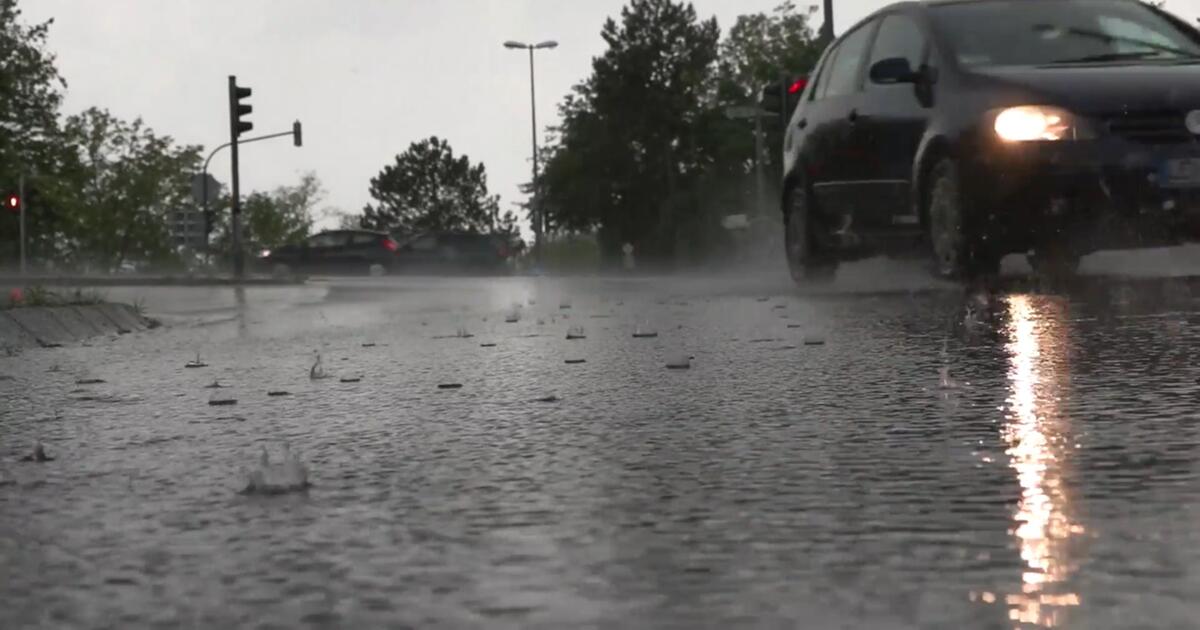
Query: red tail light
{"points": [[390, 244]]}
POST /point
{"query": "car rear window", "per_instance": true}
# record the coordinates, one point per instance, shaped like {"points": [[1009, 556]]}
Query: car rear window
{"points": [[364, 239], [1018, 32]]}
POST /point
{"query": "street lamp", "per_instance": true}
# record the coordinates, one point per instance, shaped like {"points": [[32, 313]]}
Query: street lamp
{"points": [[539, 220]]}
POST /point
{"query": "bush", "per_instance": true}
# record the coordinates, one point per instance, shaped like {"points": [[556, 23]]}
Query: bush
{"points": [[574, 253]]}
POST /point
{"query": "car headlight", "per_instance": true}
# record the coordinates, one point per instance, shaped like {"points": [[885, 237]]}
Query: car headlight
{"points": [[266, 253], [1032, 123]]}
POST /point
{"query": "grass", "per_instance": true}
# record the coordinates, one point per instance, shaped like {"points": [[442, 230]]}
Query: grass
{"points": [[37, 295]]}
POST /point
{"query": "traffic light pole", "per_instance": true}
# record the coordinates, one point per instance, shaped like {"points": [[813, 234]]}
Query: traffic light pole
{"points": [[295, 133], [21, 196], [239, 258]]}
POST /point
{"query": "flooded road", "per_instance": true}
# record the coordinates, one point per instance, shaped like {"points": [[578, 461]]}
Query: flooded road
{"points": [[927, 457]]}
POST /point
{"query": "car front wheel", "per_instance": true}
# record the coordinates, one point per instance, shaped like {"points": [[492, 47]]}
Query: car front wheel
{"points": [[958, 251], [805, 261]]}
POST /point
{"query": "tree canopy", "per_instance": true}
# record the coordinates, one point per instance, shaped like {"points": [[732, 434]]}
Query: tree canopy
{"points": [[645, 153], [429, 188]]}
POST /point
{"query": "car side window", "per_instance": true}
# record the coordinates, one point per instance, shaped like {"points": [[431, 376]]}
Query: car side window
{"points": [[331, 239], [845, 73], [363, 239], [822, 78], [899, 37]]}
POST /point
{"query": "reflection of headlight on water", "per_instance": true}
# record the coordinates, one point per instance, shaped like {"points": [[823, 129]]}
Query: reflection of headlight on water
{"points": [[1037, 432]]}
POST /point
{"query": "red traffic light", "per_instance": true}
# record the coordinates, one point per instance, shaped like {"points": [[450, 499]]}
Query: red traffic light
{"points": [[12, 202]]}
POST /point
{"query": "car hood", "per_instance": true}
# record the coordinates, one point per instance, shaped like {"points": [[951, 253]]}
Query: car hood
{"points": [[1098, 89]]}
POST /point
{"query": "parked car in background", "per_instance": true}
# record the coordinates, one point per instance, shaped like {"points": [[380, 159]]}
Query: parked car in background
{"points": [[455, 252], [351, 252], [987, 127]]}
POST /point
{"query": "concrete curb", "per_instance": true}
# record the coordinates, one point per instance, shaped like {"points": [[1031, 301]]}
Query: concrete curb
{"points": [[54, 326]]}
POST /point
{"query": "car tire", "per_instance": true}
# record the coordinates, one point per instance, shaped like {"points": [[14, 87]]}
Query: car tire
{"points": [[958, 250], [805, 262]]}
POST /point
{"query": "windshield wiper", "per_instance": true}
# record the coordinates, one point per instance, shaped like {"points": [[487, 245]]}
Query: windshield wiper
{"points": [[1125, 56]]}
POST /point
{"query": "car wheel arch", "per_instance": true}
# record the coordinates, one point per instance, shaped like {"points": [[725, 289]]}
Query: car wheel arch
{"points": [[933, 150]]}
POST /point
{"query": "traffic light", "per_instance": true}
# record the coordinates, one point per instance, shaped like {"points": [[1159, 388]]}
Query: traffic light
{"points": [[781, 97], [296, 137], [237, 108], [12, 203]]}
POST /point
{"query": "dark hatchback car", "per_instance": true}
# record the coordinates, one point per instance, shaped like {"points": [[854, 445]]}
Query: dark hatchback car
{"points": [[979, 128], [352, 252]]}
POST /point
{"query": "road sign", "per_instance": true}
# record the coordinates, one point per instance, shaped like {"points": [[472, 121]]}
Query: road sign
{"points": [[199, 182]]}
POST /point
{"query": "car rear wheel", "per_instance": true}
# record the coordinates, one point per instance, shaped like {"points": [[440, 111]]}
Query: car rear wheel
{"points": [[958, 251], [805, 261]]}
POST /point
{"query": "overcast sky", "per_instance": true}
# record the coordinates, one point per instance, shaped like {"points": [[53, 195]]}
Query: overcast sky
{"points": [[366, 77]]}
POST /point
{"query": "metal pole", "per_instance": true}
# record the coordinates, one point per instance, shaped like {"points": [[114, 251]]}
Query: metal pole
{"points": [[207, 219], [21, 196], [827, 27], [236, 215], [539, 221], [760, 181]]}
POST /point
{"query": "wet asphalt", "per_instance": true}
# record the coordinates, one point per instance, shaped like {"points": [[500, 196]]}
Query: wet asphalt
{"points": [[888, 452]]}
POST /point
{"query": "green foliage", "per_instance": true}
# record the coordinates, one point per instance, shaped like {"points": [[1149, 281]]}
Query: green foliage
{"points": [[428, 188], [116, 196], [31, 88], [571, 253], [645, 153], [282, 216], [761, 47], [628, 152]]}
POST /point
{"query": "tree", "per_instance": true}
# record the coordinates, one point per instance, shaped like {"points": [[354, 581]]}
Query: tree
{"points": [[762, 47], [270, 219], [116, 194], [29, 130], [428, 188], [628, 156], [645, 153]]}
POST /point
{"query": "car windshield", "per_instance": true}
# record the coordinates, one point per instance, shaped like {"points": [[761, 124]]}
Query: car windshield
{"points": [[1015, 32]]}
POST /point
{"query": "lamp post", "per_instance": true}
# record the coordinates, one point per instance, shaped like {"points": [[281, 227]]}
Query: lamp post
{"points": [[827, 26], [539, 219]]}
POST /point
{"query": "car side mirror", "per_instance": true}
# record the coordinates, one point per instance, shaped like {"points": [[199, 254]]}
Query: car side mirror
{"points": [[892, 71]]}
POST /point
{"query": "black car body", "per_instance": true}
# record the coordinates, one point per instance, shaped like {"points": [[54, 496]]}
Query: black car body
{"points": [[984, 127], [446, 252], [354, 252]]}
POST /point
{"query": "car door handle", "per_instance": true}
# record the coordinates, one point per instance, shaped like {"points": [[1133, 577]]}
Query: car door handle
{"points": [[803, 124]]}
